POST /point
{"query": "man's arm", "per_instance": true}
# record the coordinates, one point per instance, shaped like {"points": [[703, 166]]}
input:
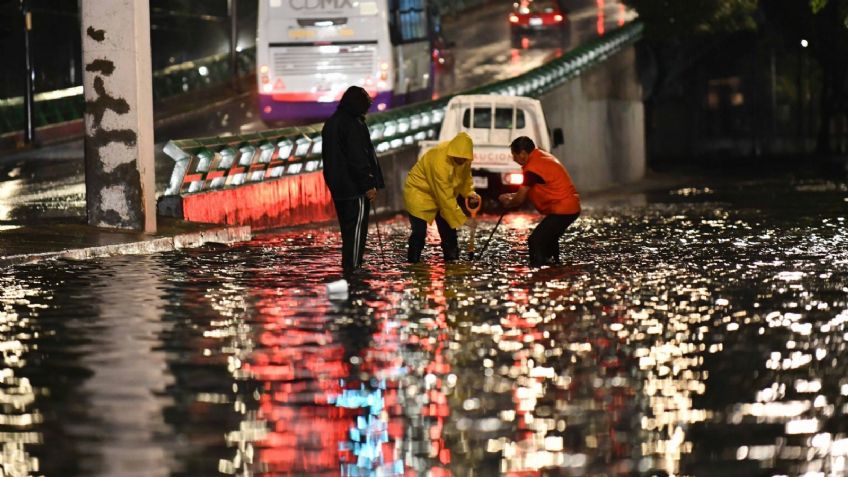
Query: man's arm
{"points": [[358, 151], [514, 200]]}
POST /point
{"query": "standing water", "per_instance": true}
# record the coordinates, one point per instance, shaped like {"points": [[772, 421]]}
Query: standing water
{"points": [[698, 331]]}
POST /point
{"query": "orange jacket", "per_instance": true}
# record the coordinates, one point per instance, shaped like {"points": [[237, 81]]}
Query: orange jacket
{"points": [[557, 195]]}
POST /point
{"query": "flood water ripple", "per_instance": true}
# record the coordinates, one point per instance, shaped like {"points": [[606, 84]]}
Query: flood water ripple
{"points": [[692, 332]]}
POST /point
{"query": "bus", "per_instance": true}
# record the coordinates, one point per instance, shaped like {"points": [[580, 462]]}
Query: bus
{"points": [[308, 52]]}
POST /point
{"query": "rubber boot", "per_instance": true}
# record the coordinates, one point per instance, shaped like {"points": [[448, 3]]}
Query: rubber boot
{"points": [[451, 254], [413, 254]]}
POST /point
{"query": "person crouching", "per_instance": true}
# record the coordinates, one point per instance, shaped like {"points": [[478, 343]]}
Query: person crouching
{"points": [[431, 190], [549, 187]]}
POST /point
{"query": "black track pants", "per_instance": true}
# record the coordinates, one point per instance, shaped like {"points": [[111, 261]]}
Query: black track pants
{"points": [[353, 222], [544, 241], [418, 238]]}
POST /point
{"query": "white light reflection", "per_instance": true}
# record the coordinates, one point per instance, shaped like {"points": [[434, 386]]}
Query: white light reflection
{"points": [[19, 414]]}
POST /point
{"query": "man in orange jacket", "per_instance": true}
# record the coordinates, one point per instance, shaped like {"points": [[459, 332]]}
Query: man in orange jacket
{"points": [[549, 187]]}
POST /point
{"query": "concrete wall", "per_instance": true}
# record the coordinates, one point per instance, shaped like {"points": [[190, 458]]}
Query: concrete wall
{"points": [[603, 121], [395, 168]]}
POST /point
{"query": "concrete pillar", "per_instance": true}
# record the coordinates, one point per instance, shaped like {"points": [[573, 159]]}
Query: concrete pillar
{"points": [[119, 158]]}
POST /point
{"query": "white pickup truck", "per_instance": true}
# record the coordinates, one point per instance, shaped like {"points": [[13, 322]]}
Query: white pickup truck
{"points": [[493, 121]]}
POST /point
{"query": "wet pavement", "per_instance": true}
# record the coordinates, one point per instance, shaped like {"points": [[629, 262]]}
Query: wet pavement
{"points": [[697, 331]]}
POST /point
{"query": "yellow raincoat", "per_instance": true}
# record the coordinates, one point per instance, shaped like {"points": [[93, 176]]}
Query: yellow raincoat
{"points": [[435, 181]]}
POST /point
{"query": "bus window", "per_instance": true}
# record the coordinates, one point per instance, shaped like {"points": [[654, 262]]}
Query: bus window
{"points": [[408, 21]]}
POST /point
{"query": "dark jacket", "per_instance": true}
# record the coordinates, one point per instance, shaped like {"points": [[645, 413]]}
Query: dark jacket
{"points": [[350, 162]]}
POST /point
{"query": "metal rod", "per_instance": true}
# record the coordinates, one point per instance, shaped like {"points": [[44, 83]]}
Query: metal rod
{"points": [[489, 240], [379, 234], [473, 236]]}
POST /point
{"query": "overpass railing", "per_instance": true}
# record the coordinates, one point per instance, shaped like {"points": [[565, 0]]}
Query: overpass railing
{"points": [[54, 107], [214, 163]]}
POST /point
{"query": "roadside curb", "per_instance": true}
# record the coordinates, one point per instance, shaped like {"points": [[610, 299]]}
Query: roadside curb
{"points": [[223, 235]]}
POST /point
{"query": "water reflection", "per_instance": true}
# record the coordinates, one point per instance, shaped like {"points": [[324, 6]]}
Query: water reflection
{"points": [[17, 395], [695, 332]]}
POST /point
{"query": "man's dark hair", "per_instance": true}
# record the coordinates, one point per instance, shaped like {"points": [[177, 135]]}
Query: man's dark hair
{"points": [[355, 101], [522, 143]]}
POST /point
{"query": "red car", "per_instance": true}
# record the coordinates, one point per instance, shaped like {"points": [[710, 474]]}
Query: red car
{"points": [[537, 15]]}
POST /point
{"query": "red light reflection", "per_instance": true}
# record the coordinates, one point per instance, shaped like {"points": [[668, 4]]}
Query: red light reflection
{"points": [[601, 13]]}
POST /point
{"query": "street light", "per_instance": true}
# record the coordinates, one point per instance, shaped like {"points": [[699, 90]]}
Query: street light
{"points": [[233, 11], [29, 106], [804, 43]]}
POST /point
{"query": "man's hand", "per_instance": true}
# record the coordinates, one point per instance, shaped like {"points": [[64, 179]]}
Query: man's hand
{"points": [[371, 194], [506, 199]]}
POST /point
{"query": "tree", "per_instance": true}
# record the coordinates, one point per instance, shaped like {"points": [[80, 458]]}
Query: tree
{"points": [[823, 24], [675, 21], [679, 33]]}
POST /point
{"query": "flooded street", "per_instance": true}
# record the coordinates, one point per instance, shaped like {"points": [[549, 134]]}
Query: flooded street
{"points": [[697, 331]]}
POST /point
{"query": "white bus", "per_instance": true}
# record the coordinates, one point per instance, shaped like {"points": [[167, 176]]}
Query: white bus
{"points": [[309, 51]]}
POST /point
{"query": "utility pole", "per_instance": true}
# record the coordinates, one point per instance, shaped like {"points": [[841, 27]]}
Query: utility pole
{"points": [[773, 92], [29, 94], [120, 187], [802, 99], [234, 43]]}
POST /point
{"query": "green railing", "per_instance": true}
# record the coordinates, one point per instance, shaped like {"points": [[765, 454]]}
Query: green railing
{"points": [[226, 161], [64, 105]]}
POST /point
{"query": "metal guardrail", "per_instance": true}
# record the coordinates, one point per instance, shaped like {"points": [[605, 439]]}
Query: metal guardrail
{"points": [[214, 163], [64, 105]]}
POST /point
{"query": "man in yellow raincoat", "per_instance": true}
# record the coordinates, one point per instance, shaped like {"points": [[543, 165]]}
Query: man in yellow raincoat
{"points": [[432, 187]]}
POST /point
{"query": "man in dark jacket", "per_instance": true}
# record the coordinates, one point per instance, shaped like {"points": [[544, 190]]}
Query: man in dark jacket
{"points": [[351, 172]]}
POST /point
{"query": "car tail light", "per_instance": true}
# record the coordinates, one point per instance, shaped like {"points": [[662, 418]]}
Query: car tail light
{"points": [[514, 178], [557, 18], [513, 18]]}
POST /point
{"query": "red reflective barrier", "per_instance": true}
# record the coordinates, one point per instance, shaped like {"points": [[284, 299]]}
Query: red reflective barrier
{"points": [[293, 200]]}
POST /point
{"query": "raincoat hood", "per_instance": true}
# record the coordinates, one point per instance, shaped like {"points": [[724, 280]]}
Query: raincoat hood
{"points": [[355, 101], [461, 146], [435, 181]]}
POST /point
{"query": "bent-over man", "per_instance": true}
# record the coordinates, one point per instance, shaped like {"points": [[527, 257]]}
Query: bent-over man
{"points": [[550, 189]]}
